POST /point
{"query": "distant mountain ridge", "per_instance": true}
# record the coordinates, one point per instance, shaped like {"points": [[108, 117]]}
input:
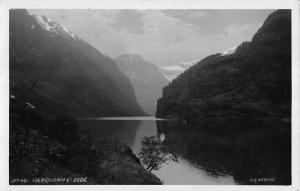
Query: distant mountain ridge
{"points": [[145, 78], [171, 72], [252, 81], [72, 75]]}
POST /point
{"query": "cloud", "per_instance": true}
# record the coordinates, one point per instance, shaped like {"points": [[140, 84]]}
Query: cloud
{"points": [[241, 30], [158, 36]]}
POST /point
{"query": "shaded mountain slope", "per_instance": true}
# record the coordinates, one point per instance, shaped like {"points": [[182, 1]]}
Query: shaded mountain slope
{"points": [[71, 75], [254, 81], [145, 78], [49, 148], [53, 74]]}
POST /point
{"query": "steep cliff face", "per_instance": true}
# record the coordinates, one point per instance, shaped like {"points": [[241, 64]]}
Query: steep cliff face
{"points": [[254, 81], [53, 73], [145, 78], [56, 70]]}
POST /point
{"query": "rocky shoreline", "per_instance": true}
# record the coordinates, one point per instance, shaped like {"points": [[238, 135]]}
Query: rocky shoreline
{"points": [[114, 163], [48, 149]]}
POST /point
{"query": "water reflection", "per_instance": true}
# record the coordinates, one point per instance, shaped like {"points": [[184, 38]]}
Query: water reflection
{"points": [[185, 173], [245, 150], [207, 152]]}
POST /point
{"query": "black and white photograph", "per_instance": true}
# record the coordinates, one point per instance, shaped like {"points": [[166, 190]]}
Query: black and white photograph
{"points": [[138, 96]]}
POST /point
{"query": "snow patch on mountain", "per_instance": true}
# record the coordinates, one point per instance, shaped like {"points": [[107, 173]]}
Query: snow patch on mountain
{"points": [[188, 64], [175, 68], [43, 21], [170, 77], [30, 105], [54, 27], [171, 72], [229, 51], [69, 32]]}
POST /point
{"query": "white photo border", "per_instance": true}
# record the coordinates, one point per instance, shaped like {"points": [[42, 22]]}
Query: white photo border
{"points": [[5, 5]]}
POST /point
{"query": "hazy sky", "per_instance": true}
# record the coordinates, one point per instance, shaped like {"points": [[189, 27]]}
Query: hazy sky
{"points": [[163, 37]]}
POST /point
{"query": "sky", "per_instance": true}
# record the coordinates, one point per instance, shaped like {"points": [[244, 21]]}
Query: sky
{"points": [[162, 37]]}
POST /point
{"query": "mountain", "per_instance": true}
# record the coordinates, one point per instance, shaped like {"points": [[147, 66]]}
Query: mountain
{"points": [[171, 72], [55, 70], [145, 78], [229, 51], [253, 81], [55, 75]]}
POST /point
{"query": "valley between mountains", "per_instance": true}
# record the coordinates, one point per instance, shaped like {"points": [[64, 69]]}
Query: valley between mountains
{"points": [[235, 103]]}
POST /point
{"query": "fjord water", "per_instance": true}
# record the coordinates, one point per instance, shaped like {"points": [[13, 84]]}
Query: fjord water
{"points": [[208, 152]]}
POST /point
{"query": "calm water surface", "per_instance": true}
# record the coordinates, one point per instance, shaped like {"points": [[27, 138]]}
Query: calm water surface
{"points": [[131, 130], [204, 156]]}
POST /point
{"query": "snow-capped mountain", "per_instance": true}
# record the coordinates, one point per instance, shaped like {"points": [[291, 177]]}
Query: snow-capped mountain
{"points": [[73, 76], [171, 72], [53, 27]]}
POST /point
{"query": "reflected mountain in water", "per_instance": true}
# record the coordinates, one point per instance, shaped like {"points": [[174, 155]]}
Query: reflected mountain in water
{"points": [[208, 152], [243, 149]]}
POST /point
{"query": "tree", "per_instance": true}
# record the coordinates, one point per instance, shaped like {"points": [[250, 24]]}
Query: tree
{"points": [[154, 153]]}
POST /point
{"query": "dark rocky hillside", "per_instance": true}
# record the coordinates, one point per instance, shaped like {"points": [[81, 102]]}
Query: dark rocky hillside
{"points": [[54, 75], [55, 70], [253, 82], [145, 78], [48, 148]]}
